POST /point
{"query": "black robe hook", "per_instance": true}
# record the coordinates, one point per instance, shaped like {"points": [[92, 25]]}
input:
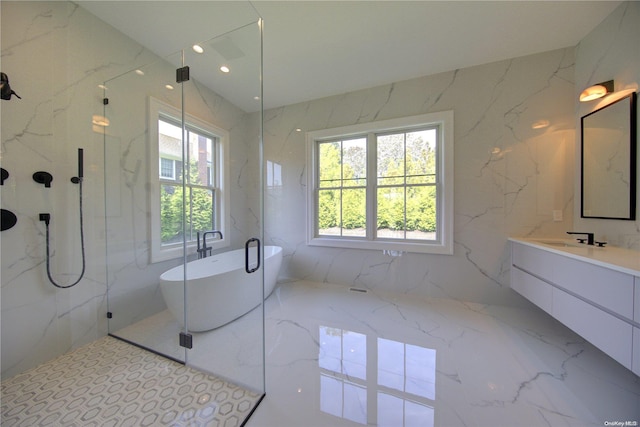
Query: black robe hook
{"points": [[5, 89]]}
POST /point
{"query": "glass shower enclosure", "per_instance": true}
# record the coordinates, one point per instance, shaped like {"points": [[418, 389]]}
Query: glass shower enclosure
{"points": [[183, 207]]}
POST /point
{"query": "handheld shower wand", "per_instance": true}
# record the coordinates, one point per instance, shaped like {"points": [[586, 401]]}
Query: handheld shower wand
{"points": [[78, 179], [47, 217]]}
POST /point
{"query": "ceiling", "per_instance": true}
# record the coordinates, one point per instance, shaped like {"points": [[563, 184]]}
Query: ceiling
{"points": [[314, 49]]}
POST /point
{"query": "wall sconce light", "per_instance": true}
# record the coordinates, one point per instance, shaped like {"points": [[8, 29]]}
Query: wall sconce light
{"points": [[596, 91]]}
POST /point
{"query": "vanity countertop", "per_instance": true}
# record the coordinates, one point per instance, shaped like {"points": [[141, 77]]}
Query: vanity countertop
{"points": [[623, 260]]}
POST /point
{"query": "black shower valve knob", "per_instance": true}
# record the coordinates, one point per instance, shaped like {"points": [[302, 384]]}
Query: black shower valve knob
{"points": [[42, 177], [5, 89]]}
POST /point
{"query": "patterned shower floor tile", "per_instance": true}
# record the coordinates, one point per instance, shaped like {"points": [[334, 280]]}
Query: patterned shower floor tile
{"points": [[112, 383]]}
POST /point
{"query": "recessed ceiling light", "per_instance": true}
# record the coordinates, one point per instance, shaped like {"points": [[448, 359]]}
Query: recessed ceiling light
{"points": [[197, 48], [140, 72], [103, 87], [257, 98], [225, 69], [169, 87]]}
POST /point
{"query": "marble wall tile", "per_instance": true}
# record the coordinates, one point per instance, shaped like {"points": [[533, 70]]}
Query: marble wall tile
{"points": [[56, 54], [509, 178], [42, 131], [609, 52]]}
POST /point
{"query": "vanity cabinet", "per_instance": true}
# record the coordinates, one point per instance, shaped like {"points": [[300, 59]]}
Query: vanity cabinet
{"points": [[636, 351], [635, 364], [609, 333], [599, 303]]}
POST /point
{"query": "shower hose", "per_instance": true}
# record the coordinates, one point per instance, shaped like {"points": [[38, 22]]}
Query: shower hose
{"points": [[81, 246]]}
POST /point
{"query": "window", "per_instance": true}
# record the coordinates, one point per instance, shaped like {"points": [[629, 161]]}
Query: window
{"points": [[384, 185], [191, 176], [167, 168]]}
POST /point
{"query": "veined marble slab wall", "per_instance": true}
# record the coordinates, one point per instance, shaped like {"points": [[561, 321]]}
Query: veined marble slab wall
{"points": [[56, 54], [509, 177], [610, 51]]}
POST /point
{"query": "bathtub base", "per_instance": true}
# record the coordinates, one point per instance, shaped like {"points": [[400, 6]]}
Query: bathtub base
{"points": [[218, 289]]}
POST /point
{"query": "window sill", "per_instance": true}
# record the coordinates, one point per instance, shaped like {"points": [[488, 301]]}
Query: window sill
{"points": [[378, 245]]}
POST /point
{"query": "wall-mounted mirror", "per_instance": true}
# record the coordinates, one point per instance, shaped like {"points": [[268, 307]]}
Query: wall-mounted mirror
{"points": [[609, 161]]}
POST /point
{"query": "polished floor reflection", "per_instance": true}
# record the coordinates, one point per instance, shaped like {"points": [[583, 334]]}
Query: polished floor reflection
{"points": [[372, 380], [342, 358]]}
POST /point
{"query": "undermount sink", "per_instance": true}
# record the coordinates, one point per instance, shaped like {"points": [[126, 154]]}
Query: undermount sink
{"points": [[562, 243]]}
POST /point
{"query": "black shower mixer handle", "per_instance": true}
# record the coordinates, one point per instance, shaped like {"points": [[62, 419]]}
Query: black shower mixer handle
{"points": [[42, 177], [5, 89]]}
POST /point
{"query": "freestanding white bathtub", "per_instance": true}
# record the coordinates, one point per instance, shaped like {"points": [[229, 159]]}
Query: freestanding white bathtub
{"points": [[219, 289]]}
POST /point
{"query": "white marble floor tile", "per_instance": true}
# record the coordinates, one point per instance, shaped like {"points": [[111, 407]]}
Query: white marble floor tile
{"points": [[335, 357]]}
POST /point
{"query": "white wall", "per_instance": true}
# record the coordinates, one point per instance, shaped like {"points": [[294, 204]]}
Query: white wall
{"points": [[610, 51], [509, 178], [55, 56]]}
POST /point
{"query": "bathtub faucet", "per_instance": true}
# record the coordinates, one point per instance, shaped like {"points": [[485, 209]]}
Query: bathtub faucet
{"points": [[202, 250]]}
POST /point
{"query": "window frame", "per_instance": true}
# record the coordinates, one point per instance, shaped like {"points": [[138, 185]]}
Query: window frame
{"points": [[445, 191], [159, 252]]}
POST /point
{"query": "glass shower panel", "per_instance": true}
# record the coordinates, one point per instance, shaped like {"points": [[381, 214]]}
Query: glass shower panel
{"points": [[145, 227], [184, 207], [222, 102]]}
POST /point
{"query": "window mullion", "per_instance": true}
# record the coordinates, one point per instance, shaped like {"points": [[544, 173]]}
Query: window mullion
{"points": [[439, 181], [316, 188], [372, 186], [186, 176], [341, 186], [404, 180]]}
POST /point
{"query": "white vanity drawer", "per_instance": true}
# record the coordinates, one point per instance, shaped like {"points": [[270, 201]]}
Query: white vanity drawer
{"points": [[636, 303], [635, 364], [533, 289], [610, 334], [533, 260], [609, 288]]}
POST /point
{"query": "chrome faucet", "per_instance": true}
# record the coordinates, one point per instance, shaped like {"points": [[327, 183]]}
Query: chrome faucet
{"points": [[590, 239], [202, 250]]}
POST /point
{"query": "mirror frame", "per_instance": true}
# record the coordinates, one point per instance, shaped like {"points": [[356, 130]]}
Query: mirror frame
{"points": [[631, 100]]}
